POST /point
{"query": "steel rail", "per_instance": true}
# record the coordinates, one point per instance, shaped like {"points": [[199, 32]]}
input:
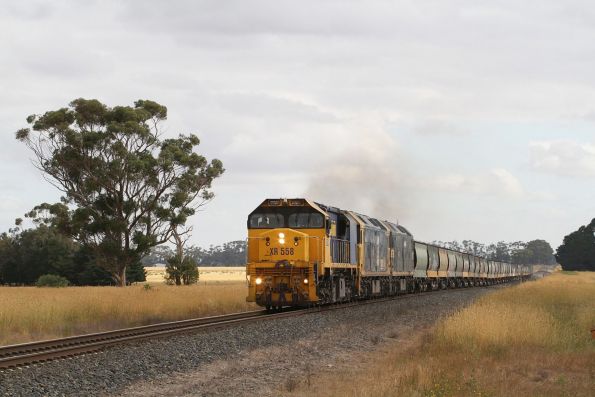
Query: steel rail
{"points": [[12, 356], [28, 353]]}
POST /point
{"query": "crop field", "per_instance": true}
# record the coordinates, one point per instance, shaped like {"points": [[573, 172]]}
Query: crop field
{"points": [[208, 275], [30, 313], [532, 339]]}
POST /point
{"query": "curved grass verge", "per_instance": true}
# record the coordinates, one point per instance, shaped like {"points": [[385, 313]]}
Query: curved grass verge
{"points": [[531, 339]]}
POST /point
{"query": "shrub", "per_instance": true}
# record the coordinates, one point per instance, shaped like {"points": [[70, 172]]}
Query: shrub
{"points": [[181, 271], [51, 280]]}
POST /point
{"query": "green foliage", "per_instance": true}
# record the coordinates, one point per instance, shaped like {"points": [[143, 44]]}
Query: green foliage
{"points": [[43, 250], [136, 273], [6, 251], [535, 252], [90, 273], [26, 255], [125, 189], [577, 251], [51, 280], [180, 272], [190, 273]]}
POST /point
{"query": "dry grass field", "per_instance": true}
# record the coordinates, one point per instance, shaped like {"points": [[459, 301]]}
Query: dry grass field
{"points": [[529, 340], [30, 313], [208, 275]]}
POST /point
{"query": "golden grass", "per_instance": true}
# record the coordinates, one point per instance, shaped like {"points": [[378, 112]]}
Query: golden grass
{"points": [[208, 274], [528, 340], [30, 313], [555, 313]]}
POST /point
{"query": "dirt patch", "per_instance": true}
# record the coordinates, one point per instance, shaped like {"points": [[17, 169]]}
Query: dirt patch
{"points": [[268, 371]]}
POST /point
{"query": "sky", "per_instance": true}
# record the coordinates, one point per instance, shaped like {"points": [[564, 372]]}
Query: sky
{"points": [[458, 119]]}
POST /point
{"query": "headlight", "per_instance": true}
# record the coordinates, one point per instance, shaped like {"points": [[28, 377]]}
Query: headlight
{"points": [[281, 241], [258, 281], [281, 235], [305, 281]]}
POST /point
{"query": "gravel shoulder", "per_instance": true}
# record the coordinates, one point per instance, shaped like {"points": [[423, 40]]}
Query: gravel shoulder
{"points": [[264, 358]]}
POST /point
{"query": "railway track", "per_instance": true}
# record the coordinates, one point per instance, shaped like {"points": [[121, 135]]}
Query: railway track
{"points": [[31, 353], [13, 356]]}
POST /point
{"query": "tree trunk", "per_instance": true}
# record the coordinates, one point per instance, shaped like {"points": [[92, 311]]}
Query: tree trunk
{"points": [[179, 245], [120, 277]]}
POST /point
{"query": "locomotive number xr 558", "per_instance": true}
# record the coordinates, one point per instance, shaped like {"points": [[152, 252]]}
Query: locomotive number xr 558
{"points": [[280, 251]]}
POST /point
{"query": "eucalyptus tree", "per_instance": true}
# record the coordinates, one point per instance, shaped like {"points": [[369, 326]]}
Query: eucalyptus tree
{"points": [[577, 251], [125, 189]]}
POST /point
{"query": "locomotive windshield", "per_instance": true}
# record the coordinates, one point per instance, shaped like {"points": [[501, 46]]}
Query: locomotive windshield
{"points": [[266, 221], [295, 218], [306, 219]]}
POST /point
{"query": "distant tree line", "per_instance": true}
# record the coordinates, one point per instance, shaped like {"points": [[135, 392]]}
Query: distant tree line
{"points": [[26, 255], [577, 251], [518, 252], [232, 253]]}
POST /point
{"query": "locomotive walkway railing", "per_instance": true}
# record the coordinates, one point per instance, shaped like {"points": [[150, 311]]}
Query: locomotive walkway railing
{"points": [[340, 250]]}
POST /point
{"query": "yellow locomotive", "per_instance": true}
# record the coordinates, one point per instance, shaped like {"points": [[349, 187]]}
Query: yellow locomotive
{"points": [[300, 253]]}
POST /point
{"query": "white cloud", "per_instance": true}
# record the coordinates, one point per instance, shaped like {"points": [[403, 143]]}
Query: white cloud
{"points": [[437, 127], [495, 182], [316, 96], [506, 182], [563, 157]]}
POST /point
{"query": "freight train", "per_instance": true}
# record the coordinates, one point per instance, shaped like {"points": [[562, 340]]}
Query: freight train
{"points": [[302, 253]]}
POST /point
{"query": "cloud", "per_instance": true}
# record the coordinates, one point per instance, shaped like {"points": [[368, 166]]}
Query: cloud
{"points": [[439, 127], [506, 182], [563, 157], [495, 182], [318, 97], [374, 174], [265, 105]]}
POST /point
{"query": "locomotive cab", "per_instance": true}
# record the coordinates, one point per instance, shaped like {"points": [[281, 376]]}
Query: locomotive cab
{"points": [[285, 245]]}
